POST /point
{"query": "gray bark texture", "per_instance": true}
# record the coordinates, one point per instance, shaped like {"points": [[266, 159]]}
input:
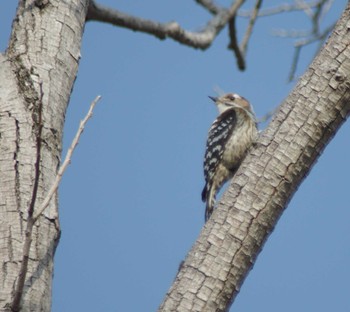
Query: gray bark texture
{"points": [[216, 266], [37, 73]]}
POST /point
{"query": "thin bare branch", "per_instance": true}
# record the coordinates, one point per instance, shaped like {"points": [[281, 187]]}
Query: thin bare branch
{"points": [[286, 7], [322, 36], [267, 116], [326, 8], [315, 11], [210, 6], [201, 39], [302, 43], [317, 16], [249, 30], [233, 45], [292, 33], [67, 161], [295, 61], [307, 9], [240, 50]]}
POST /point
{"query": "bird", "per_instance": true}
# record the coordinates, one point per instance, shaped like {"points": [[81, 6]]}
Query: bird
{"points": [[229, 138]]}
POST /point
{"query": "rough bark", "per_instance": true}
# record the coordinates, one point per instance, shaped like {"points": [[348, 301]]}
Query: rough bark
{"points": [[37, 70], [210, 277]]}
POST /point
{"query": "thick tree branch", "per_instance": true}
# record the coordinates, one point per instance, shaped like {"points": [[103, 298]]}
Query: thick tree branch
{"points": [[200, 40], [230, 241]]}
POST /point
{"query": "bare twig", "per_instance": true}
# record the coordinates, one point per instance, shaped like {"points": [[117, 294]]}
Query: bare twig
{"points": [[286, 7], [291, 33], [302, 43], [326, 7], [293, 67], [66, 162], [210, 6], [317, 16], [233, 45], [315, 10], [16, 302], [249, 30], [201, 39], [240, 50], [307, 9], [267, 116]]}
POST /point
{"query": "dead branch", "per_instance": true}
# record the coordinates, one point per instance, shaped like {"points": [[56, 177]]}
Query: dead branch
{"points": [[210, 6], [200, 40], [233, 45], [241, 50], [304, 42], [251, 24], [286, 7], [67, 161], [221, 16]]}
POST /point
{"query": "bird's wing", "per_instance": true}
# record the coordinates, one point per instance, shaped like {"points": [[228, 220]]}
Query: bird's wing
{"points": [[219, 133]]}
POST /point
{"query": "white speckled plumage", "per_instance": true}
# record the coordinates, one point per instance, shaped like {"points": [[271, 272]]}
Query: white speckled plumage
{"points": [[229, 138]]}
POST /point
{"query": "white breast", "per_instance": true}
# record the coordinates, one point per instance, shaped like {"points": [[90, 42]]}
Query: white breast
{"points": [[243, 136]]}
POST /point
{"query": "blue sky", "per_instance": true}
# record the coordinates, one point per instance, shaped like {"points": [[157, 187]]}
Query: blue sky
{"points": [[130, 205]]}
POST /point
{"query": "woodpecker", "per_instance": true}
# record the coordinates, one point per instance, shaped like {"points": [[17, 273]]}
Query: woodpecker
{"points": [[229, 138]]}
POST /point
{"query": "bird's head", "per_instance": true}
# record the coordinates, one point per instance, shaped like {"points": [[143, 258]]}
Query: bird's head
{"points": [[232, 100]]}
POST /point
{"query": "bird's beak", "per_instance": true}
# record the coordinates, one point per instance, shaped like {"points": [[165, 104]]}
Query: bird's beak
{"points": [[213, 98]]}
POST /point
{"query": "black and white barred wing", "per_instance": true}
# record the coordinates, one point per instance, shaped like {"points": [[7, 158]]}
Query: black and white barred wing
{"points": [[219, 133]]}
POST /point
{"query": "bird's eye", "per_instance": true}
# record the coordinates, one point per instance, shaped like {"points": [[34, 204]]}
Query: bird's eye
{"points": [[231, 97]]}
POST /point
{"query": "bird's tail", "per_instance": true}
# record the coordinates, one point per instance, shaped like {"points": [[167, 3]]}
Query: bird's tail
{"points": [[210, 198]]}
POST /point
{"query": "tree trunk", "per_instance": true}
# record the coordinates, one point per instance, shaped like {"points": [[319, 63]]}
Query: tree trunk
{"points": [[210, 277], [37, 73]]}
